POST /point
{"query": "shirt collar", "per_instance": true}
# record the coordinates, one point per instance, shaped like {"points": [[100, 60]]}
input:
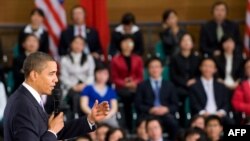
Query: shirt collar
{"points": [[205, 81], [153, 80], [33, 92]]}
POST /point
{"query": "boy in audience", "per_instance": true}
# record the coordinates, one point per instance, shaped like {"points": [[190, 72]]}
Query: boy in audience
{"points": [[213, 128], [154, 130], [157, 97]]}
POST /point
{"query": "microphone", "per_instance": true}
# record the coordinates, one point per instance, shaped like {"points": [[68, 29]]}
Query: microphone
{"points": [[57, 95]]}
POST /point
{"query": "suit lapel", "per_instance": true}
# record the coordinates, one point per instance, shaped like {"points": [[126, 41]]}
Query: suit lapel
{"points": [[150, 88], [216, 94], [202, 92]]}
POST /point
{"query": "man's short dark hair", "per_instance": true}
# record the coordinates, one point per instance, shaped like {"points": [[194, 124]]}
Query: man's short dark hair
{"points": [[211, 118], [35, 62], [151, 119], [75, 7], [128, 18], [219, 3], [38, 11], [151, 59]]}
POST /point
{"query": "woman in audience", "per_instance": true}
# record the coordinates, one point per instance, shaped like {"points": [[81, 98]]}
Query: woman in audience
{"points": [[172, 33], [198, 121], [30, 45], [127, 27], [184, 67], [101, 92], [195, 134], [115, 134], [127, 72], [141, 132], [241, 97], [229, 63], [77, 71], [35, 27]]}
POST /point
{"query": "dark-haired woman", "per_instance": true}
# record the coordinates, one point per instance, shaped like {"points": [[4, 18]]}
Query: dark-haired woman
{"points": [[77, 71], [127, 27], [172, 32], [35, 27]]}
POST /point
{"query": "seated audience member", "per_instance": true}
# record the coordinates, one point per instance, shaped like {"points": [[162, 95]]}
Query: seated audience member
{"points": [[35, 27], [198, 121], [212, 31], [101, 131], [171, 35], [79, 28], [102, 92], [127, 27], [3, 102], [77, 71], [157, 97], [127, 72], [208, 96], [229, 63], [241, 97], [195, 134], [115, 134], [214, 128], [30, 45], [141, 134], [184, 68], [154, 130], [84, 138]]}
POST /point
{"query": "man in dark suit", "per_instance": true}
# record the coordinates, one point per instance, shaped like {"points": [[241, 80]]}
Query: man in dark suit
{"points": [[79, 28], [209, 97], [157, 97], [25, 118], [212, 32]]}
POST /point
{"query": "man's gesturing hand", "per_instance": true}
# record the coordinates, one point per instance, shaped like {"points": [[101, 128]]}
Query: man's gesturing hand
{"points": [[98, 112], [56, 123]]}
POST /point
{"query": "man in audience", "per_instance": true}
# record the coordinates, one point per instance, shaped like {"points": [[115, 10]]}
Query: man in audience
{"points": [[157, 97], [214, 128], [209, 97], [79, 28], [154, 130], [212, 32], [128, 26]]}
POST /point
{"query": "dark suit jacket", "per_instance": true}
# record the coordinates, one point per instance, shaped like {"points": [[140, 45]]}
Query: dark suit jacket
{"points": [[24, 120], [208, 36], [184, 68], [43, 44], [68, 35], [116, 38], [199, 99], [171, 42], [144, 99], [237, 69], [119, 70]]}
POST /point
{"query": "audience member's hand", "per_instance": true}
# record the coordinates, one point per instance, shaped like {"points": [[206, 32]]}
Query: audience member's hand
{"points": [[206, 114], [190, 82], [98, 112], [220, 114], [159, 111], [217, 52], [95, 55], [79, 87], [56, 123]]}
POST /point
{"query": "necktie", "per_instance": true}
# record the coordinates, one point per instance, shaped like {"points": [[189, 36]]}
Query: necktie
{"points": [[41, 104], [157, 94], [80, 31], [220, 32]]}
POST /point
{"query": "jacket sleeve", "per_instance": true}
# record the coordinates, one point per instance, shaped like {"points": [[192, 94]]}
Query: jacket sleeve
{"points": [[115, 75], [25, 129], [139, 104], [173, 100], [238, 101], [65, 74], [139, 71], [204, 45], [90, 76], [75, 128], [63, 45], [195, 102]]}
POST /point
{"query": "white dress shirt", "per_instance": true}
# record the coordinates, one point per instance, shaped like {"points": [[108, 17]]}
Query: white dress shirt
{"points": [[83, 31], [229, 81]]}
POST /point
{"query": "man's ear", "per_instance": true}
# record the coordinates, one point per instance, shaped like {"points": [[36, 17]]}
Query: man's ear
{"points": [[33, 75]]}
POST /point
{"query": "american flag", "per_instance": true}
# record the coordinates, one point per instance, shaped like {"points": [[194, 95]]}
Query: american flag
{"points": [[55, 21], [247, 30]]}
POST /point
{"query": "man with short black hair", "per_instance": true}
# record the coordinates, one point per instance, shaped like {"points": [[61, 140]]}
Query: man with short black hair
{"points": [[25, 118], [213, 127], [154, 130]]}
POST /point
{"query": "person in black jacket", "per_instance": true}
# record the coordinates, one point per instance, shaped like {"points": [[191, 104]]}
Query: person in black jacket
{"points": [[127, 27], [212, 31], [229, 63], [208, 96], [79, 28], [35, 27], [172, 32], [184, 68], [157, 97]]}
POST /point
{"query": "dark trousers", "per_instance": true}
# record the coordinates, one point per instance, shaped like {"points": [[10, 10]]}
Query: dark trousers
{"points": [[182, 96], [73, 99], [127, 98]]}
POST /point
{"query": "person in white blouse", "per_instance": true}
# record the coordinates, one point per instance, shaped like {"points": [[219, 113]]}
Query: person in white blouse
{"points": [[77, 71], [229, 63]]}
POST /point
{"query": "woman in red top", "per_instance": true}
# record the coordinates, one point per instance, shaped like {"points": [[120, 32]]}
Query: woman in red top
{"points": [[126, 73], [241, 97]]}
